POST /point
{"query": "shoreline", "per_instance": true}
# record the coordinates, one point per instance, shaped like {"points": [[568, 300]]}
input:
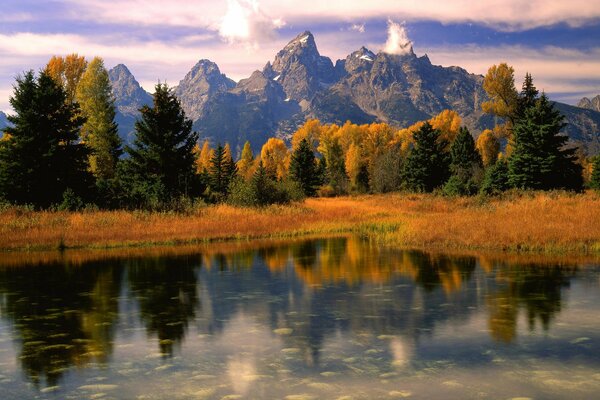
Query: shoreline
{"points": [[530, 223]]}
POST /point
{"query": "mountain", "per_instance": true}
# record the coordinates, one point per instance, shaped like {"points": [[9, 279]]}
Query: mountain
{"points": [[593, 104], [300, 83], [129, 98], [202, 82], [3, 120], [583, 126]]}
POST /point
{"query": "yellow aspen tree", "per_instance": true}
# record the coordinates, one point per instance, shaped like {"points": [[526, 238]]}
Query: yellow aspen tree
{"points": [[204, 156], [246, 162], [448, 122], [100, 131], [353, 163], [67, 72], [311, 131], [488, 146], [275, 157], [499, 84]]}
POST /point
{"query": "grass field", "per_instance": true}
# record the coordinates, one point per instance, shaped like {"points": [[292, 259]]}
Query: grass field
{"points": [[532, 222]]}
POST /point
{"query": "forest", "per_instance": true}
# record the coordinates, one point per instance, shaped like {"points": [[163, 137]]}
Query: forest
{"points": [[62, 151]]}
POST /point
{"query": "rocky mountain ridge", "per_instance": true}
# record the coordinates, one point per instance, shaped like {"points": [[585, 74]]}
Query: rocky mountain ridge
{"points": [[300, 83], [593, 104]]}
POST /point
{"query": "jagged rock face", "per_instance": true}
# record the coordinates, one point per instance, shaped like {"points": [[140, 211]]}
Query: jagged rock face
{"points": [[255, 106], [129, 95], [300, 69], [129, 98], [203, 81], [593, 104], [402, 89]]}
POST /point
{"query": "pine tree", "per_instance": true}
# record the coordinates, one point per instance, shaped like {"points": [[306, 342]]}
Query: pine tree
{"points": [[41, 157], [527, 97], [463, 152], [595, 179], [466, 165], [428, 165], [539, 159], [162, 158], [495, 180], [303, 168], [263, 187], [100, 131], [221, 171]]}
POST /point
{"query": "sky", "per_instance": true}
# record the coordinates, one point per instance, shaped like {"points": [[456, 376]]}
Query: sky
{"points": [[557, 41]]}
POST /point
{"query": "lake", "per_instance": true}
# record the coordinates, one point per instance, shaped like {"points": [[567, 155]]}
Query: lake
{"points": [[336, 318]]}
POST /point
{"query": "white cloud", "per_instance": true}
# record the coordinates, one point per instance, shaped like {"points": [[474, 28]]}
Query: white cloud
{"points": [[245, 22], [397, 42], [502, 14], [360, 28]]}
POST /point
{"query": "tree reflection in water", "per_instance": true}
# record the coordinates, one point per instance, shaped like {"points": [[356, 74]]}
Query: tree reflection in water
{"points": [[66, 315]]}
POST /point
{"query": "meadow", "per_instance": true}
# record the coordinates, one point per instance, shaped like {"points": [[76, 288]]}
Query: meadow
{"points": [[543, 222]]}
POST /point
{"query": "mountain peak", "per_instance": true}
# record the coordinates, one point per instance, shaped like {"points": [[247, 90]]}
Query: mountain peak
{"points": [[203, 80], [129, 95], [593, 104]]}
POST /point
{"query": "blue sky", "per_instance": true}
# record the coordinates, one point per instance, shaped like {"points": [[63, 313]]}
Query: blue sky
{"points": [[557, 41]]}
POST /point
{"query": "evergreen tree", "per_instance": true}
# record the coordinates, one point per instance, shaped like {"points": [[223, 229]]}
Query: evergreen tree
{"points": [[41, 157], [463, 152], [100, 131], [221, 171], [263, 187], [162, 160], [595, 179], [466, 165], [303, 168], [428, 165], [495, 180], [539, 159], [527, 97]]}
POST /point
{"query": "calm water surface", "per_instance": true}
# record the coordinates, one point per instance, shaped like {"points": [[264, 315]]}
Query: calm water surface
{"points": [[319, 319]]}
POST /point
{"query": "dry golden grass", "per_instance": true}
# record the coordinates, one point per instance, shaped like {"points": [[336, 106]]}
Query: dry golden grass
{"points": [[542, 222]]}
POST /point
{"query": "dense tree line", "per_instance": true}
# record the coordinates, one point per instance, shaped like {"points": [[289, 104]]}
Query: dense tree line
{"points": [[62, 150]]}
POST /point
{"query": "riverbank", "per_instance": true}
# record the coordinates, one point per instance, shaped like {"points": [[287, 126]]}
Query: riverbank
{"points": [[530, 222]]}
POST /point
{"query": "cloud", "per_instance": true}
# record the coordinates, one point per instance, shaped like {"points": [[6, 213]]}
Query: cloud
{"points": [[397, 42], [360, 28], [245, 22], [501, 14]]}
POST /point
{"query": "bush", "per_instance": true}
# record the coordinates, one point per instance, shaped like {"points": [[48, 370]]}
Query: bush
{"points": [[70, 201], [261, 193], [242, 194], [458, 186]]}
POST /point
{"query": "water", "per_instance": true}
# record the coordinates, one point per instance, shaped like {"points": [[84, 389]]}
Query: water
{"points": [[320, 319]]}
